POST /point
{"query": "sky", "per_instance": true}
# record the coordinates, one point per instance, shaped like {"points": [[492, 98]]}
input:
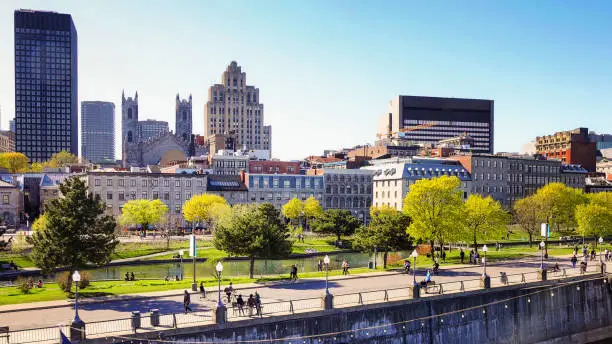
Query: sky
{"points": [[327, 69]]}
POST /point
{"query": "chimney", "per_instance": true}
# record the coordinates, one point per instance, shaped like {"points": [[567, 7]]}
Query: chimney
{"points": [[242, 176]]}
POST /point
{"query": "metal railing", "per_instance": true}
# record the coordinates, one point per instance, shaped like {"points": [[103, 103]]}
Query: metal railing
{"points": [[146, 322]]}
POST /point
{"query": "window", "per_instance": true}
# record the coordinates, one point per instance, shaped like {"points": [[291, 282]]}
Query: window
{"points": [[188, 195], [188, 183], [166, 183], [177, 209], [133, 195], [109, 182], [121, 196], [154, 182], [97, 182], [177, 195], [177, 184], [144, 195], [109, 195], [5, 198], [155, 195], [121, 182], [166, 196], [133, 182], [144, 183]]}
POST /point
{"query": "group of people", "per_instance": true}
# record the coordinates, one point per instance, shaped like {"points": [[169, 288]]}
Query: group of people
{"points": [[345, 267], [474, 257], [293, 274], [129, 276], [253, 302]]}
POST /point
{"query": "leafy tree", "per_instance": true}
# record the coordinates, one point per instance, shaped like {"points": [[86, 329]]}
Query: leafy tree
{"points": [[204, 208], [253, 231], [337, 222], [527, 215], [293, 210], [3, 244], [557, 203], [36, 167], [78, 231], [484, 219], [40, 224], [595, 217], [312, 209], [14, 162], [61, 159], [143, 212], [386, 232], [435, 207]]}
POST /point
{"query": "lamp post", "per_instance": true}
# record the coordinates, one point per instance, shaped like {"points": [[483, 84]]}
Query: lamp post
{"points": [[220, 315], [181, 252], [542, 271], [600, 243], [77, 328], [485, 281], [328, 298], [416, 292]]}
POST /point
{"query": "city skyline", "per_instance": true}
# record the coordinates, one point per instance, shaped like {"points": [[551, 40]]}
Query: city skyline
{"points": [[330, 77]]}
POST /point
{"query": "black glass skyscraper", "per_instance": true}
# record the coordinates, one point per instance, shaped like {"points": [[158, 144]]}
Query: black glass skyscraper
{"points": [[46, 103]]}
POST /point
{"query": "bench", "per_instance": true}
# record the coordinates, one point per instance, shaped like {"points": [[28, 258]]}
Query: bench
{"points": [[431, 288]]}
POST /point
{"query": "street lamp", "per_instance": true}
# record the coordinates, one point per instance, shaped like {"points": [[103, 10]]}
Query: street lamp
{"points": [[484, 260], [77, 328], [220, 315], [219, 269], [181, 252], [600, 243], [542, 244], [414, 257], [326, 261]]}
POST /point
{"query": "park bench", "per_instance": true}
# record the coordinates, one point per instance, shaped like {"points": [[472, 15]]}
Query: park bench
{"points": [[432, 288]]}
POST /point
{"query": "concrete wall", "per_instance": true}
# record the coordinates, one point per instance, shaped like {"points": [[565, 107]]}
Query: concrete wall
{"points": [[578, 311]]}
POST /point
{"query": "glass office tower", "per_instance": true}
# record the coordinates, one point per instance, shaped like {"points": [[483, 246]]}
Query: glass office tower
{"points": [[46, 108]]}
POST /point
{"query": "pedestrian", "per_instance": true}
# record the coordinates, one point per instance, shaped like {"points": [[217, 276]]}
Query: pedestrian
{"points": [[574, 260], [606, 255], [228, 291], [240, 304], [444, 256], [251, 304], [345, 267], [132, 277], [187, 301], [472, 257], [584, 250], [320, 265], [294, 272], [593, 254], [258, 302], [461, 255], [202, 290]]}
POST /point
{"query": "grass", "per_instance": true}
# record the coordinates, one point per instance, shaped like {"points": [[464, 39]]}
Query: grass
{"points": [[21, 259]]}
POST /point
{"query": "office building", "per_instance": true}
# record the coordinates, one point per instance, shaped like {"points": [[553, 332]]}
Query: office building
{"points": [[234, 108], [229, 163], [12, 126], [7, 141], [428, 120], [572, 147], [279, 189], [150, 128], [274, 167], [98, 131], [602, 141], [46, 79]]}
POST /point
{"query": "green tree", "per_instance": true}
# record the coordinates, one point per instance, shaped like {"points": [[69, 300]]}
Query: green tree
{"points": [[527, 215], [3, 244], [40, 224], [253, 231], [337, 222], [484, 219], [14, 162], [293, 210], [312, 209], [204, 208], [143, 212], [557, 204], [79, 232], [36, 167], [435, 208], [62, 159], [595, 217], [386, 232]]}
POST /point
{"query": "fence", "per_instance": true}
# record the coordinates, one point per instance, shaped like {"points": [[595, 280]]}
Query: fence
{"points": [[152, 322]]}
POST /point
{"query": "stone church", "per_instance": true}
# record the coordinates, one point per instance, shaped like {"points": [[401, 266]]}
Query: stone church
{"points": [[163, 147]]}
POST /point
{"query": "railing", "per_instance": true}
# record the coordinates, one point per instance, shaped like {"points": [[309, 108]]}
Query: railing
{"points": [[144, 323]]}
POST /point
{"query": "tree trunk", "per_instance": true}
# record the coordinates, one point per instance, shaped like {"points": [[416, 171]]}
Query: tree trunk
{"points": [[433, 250], [530, 239], [385, 260], [251, 267], [475, 242]]}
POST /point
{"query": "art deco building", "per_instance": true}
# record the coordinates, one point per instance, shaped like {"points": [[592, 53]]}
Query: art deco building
{"points": [[233, 108]]}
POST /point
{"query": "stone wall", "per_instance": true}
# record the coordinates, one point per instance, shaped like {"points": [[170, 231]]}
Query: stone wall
{"points": [[570, 311]]}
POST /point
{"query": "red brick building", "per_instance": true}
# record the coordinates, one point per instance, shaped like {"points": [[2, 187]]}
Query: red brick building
{"points": [[571, 147], [274, 167]]}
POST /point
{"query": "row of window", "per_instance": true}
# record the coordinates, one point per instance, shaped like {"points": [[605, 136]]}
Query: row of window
{"points": [[280, 196], [451, 123], [298, 183], [146, 182], [123, 196]]}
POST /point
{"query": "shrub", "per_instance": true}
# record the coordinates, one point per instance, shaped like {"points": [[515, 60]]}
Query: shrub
{"points": [[24, 285], [64, 281], [85, 280]]}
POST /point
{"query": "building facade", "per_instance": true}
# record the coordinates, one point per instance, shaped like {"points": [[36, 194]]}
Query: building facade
{"points": [[428, 120], [116, 188], [150, 128], [7, 141], [232, 188], [11, 204], [274, 167], [572, 147], [227, 163], [97, 131], [12, 126], [348, 189], [573, 176], [279, 189], [183, 126], [46, 84], [234, 108]]}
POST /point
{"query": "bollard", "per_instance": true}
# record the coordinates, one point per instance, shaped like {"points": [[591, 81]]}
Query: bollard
{"points": [[155, 317], [135, 320], [542, 274], [360, 300], [462, 288], [291, 307]]}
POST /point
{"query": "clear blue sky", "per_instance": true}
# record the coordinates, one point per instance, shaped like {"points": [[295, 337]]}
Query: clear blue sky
{"points": [[326, 69]]}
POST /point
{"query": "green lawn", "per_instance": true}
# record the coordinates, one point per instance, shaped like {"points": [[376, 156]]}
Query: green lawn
{"points": [[137, 249], [22, 260]]}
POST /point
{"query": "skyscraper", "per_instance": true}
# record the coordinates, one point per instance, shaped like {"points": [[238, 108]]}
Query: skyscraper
{"points": [[46, 109], [233, 108], [151, 128], [97, 131]]}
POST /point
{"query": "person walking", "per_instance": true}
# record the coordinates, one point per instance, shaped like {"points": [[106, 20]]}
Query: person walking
{"points": [[228, 291], [320, 265], [187, 301], [258, 303], [461, 255], [240, 304], [344, 267], [251, 304], [202, 291], [574, 260], [294, 271]]}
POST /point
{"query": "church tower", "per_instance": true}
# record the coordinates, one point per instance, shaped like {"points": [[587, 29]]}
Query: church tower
{"points": [[129, 118], [183, 128]]}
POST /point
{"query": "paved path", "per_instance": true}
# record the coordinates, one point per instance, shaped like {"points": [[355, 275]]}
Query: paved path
{"points": [[172, 301]]}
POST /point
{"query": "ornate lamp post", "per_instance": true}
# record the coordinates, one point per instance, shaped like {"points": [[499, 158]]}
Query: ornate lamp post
{"points": [[416, 291], [328, 298], [77, 328], [220, 315], [485, 281], [542, 271], [181, 252], [600, 243]]}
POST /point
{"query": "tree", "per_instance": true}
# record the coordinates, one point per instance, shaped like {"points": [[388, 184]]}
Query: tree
{"points": [[36, 167], [40, 224], [3, 244], [337, 222], [484, 219], [62, 159], [435, 208], [595, 217], [79, 232], [204, 208], [14, 162], [293, 210], [312, 209], [557, 203], [527, 215], [253, 231], [143, 212], [386, 232]]}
